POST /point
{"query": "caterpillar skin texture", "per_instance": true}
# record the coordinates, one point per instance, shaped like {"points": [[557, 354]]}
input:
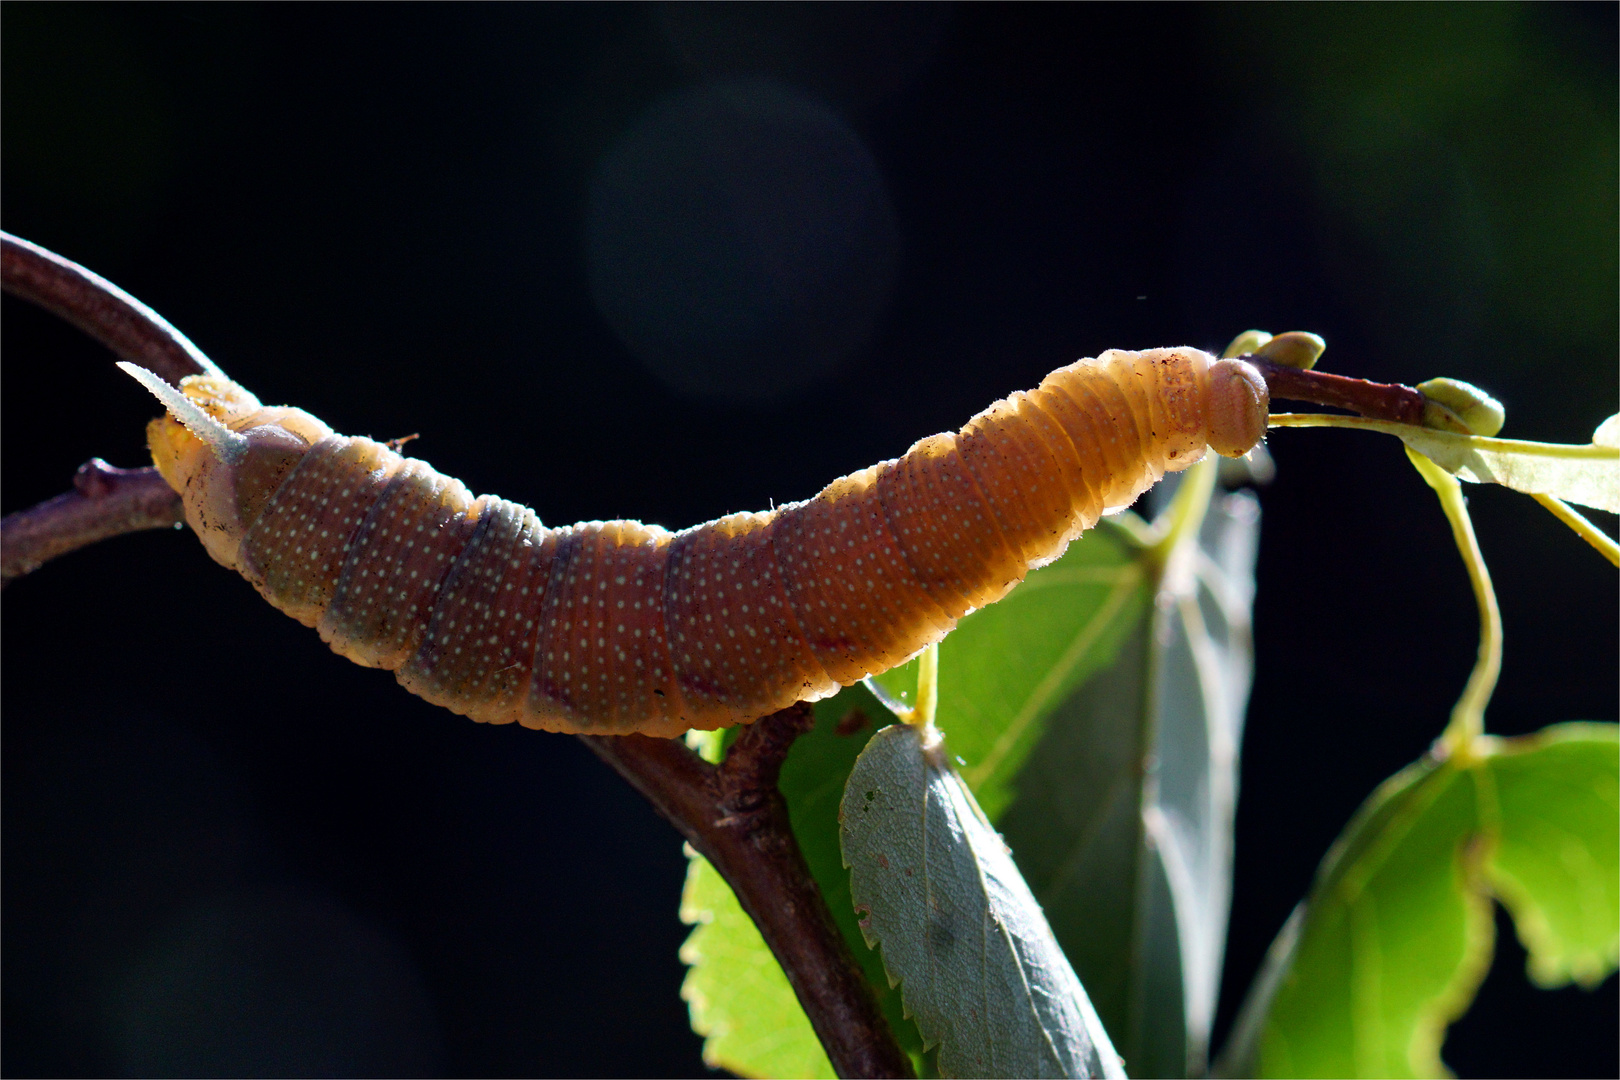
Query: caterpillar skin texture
{"points": [[612, 627]]}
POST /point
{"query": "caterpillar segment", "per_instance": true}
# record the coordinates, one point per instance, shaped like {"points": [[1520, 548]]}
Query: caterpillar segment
{"points": [[400, 558], [614, 627]]}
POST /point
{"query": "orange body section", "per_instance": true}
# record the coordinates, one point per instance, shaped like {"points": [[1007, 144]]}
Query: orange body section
{"points": [[617, 627]]}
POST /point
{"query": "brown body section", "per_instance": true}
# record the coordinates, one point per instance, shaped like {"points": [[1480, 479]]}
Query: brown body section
{"points": [[617, 627]]}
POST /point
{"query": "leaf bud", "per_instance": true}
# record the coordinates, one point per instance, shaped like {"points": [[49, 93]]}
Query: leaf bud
{"points": [[1245, 343], [1295, 349], [1479, 413]]}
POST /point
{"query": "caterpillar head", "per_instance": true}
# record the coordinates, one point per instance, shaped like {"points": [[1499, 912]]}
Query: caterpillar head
{"points": [[223, 452], [1236, 407]]}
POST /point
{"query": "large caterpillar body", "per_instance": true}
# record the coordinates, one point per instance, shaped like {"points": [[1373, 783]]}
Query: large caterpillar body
{"points": [[614, 627]]}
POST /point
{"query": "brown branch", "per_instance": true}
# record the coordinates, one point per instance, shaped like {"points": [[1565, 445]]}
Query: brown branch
{"points": [[735, 817], [734, 814], [98, 307], [1381, 401], [105, 502]]}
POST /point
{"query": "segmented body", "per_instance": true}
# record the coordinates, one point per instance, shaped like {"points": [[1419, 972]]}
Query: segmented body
{"points": [[615, 626]]}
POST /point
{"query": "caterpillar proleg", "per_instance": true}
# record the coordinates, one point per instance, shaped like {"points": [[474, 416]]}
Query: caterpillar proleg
{"points": [[613, 627]]}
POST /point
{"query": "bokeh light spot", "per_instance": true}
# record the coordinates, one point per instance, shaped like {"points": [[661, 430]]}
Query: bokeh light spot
{"points": [[741, 241]]}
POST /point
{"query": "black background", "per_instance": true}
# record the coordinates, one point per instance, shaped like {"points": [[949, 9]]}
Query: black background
{"points": [[384, 215]]}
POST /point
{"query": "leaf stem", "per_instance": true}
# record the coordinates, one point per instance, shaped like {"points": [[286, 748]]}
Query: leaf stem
{"points": [[1185, 515], [1583, 528], [1468, 715], [1571, 451], [921, 715]]}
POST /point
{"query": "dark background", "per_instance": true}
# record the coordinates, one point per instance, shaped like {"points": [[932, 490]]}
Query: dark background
{"points": [[671, 262]]}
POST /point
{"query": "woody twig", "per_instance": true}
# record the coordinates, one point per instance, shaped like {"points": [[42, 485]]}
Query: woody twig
{"points": [[733, 813]]}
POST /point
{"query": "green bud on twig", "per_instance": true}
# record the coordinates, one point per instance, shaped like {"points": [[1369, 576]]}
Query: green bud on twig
{"points": [[1473, 408], [1295, 349], [1249, 341]]}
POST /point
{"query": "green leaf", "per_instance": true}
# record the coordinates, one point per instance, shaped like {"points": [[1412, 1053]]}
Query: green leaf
{"points": [[978, 966], [1123, 819], [1589, 475], [741, 1002], [745, 1031], [1006, 672], [812, 782], [1396, 935], [1116, 680], [1007, 667], [1394, 942], [1556, 864]]}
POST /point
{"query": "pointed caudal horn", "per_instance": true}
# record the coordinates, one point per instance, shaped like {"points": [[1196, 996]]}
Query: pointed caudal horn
{"points": [[226, 444]]}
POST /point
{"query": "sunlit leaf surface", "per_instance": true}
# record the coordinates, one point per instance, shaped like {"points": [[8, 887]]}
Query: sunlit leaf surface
{"points": [[1556, 863], [762, 1031], [741, 1002], [1588, 475], [1006, 668], [1397, 933]]}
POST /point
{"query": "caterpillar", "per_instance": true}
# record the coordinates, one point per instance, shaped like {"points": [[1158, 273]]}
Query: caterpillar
{"points": [[614, 627]]}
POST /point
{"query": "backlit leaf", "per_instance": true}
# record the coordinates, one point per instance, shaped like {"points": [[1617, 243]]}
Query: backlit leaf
{"points": [[1123, 819], [1556, 864], [752, 1024], [741, 1002], [1121, 724], [1397, 933], [1588, 475]]}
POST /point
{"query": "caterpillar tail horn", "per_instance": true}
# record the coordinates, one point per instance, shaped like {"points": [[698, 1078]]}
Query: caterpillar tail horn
{"points": [[227, 446], [223, 451]]}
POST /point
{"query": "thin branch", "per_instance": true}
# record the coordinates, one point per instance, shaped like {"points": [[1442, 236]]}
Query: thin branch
{"points": [[734, 814], [105, 502], [750, 841], [1381, 401], [101, 309]]}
